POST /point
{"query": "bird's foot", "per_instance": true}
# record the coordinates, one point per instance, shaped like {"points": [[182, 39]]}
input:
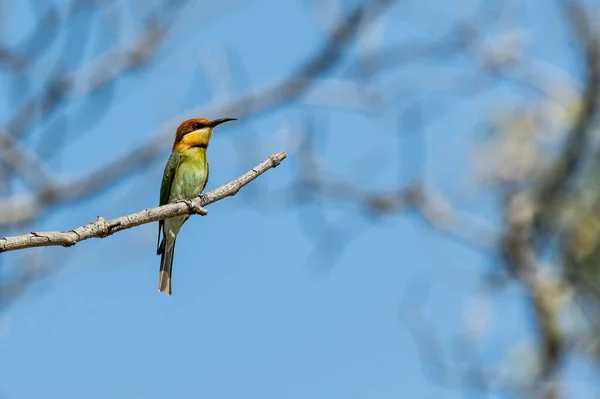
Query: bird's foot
{"points": [[194, 208]]}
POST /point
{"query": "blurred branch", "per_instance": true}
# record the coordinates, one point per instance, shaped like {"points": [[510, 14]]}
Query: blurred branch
{"points": [[364, 78], [30, 267], [443, 215], [530, 216], [26, 207], [430, 205], [426, 202], [103, 228], [553, 185], [104, 70], [23, 162], [437, 363]]}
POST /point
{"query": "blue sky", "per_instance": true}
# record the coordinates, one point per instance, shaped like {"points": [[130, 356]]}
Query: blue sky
{"points": [[253, 315]]}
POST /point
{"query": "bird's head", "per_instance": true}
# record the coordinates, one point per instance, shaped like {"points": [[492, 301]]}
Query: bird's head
{"points": [[196, 133]]}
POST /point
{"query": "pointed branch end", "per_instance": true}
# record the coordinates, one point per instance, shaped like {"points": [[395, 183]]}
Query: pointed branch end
{"points": [[277, 158]]}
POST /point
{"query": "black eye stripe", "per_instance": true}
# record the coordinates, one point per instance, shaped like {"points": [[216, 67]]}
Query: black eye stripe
{"points": [[197, 125]]}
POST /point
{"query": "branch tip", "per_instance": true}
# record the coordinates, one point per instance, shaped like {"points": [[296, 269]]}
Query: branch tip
{"points": [[103, 228], [277, 158]]}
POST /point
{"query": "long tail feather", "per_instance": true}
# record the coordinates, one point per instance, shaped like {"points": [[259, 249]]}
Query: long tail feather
{"points": [[166, 267]]}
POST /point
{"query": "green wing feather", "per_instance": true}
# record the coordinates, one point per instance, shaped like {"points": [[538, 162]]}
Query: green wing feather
{"points": [[165, 188], [207, 173]]}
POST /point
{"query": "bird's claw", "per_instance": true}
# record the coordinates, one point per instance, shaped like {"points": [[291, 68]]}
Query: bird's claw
{"points": [[193, 208]]}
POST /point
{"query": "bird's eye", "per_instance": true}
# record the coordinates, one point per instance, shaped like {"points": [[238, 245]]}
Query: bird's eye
{"points": [[196, 126]]}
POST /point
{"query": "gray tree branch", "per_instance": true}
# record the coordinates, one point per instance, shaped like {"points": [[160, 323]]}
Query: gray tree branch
{"points": [[22, 208], [104, 228]]}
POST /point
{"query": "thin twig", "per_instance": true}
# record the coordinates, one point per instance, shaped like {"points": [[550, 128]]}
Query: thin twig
{"points": [[103, 228], [530, 216], [26, 207]]}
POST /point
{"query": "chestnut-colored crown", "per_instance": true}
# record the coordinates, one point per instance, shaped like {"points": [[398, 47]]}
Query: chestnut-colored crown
{"points": [[189, 126]]}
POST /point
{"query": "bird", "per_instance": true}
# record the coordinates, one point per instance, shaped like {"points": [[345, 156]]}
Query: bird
{"points": [[185, 177]]}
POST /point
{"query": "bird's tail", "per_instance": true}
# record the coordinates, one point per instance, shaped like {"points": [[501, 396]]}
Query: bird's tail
{"points": [[166, 267]]}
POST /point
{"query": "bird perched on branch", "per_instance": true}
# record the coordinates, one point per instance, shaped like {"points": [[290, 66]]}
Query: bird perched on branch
{"points": [[185, 176]]}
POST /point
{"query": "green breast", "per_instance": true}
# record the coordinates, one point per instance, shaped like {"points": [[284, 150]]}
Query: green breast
{"points": [[190, 178]]}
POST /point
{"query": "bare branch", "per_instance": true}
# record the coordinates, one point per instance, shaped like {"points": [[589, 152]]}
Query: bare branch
{"points": [[559, 176], [24, 163], [26, 207], [103, 228], [101, 72], [442, 215]]}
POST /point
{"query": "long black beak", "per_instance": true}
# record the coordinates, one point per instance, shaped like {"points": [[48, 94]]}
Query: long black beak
{"points": [[217, 122]]}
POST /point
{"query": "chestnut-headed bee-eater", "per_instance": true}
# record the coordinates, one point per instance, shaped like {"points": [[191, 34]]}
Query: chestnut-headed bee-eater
{"points": [[185, 176]]}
